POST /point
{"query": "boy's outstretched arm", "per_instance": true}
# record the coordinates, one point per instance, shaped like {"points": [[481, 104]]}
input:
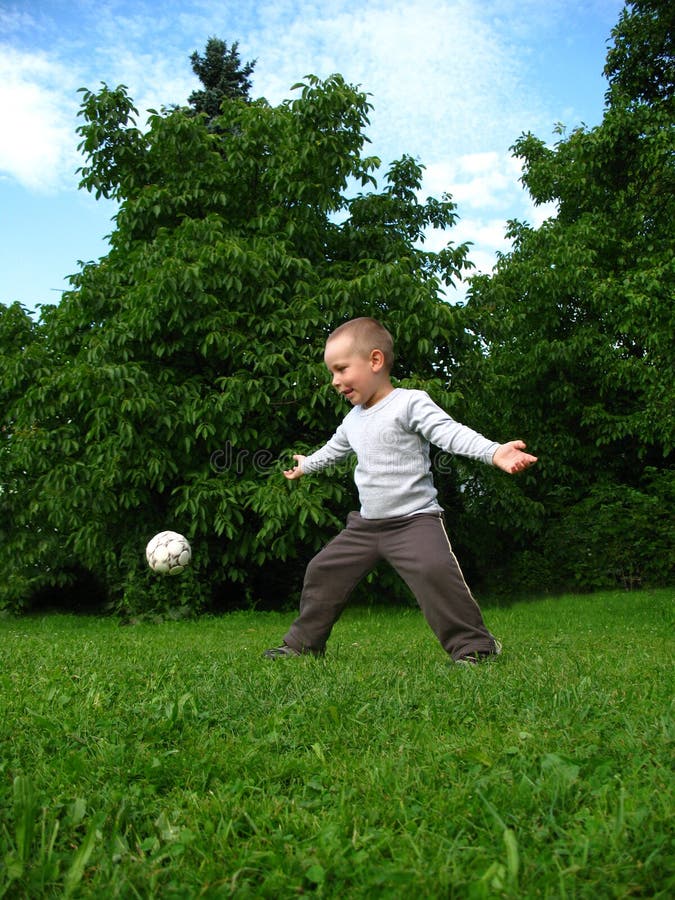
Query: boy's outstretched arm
{"points": [[297, 472], [511, 457]]}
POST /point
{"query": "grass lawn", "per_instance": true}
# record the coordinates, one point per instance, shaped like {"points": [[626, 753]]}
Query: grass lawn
{"points": [[171, 761]]}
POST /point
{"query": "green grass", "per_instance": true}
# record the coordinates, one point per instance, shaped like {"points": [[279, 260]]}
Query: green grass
{"points": [[172, 761]]}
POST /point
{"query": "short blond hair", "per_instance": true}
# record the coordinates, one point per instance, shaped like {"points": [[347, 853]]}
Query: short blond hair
{"points": [[367, 335]]}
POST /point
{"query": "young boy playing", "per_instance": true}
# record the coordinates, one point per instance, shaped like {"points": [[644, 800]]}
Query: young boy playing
{"points": [[400, 521]]}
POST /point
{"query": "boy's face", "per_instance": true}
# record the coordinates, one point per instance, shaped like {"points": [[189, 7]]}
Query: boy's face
{"points": [[359, 377]]}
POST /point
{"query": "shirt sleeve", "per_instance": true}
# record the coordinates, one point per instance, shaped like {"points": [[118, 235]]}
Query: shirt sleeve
{"points": [[335, 450], [428, 419]]}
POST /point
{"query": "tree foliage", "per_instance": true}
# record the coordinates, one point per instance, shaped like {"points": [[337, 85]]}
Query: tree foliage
{"points": [[222, 75], [575, 328], [180, 370], [640, 65], [18, 343]]}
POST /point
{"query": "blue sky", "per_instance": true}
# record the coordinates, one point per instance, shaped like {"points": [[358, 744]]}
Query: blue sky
{"points": [[453, 83]]}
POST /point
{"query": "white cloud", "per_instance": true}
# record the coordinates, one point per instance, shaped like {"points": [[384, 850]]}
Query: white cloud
{"points": [[37, 140], [539, 214], [39, 103], [476, 180], [486, 237], [486, 189]]}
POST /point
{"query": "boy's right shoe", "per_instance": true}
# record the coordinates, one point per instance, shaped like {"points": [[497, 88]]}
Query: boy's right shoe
{"points": [[284, 651]]}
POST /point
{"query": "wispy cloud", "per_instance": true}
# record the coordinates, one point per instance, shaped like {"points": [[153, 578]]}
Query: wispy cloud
{"points": [[442, 80]]}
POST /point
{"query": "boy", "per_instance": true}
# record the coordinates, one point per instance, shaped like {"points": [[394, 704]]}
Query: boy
{"points": [[390, 430]]}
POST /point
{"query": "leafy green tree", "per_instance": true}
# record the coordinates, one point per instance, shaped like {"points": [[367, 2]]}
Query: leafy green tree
{"points": [[640, 64], [575, 328], [222, 75], [17, 335], [185, 366]]}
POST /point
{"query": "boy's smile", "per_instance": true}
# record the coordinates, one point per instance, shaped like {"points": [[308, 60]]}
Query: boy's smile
{"points": [[362, 379]]}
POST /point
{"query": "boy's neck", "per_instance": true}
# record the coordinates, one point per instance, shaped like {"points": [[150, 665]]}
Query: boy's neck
{"points": [[381, 392]]}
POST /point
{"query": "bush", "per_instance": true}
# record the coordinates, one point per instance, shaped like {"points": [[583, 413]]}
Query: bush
{"points": [[618, 535]]}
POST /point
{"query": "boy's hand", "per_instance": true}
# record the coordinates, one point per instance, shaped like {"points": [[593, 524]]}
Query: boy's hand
{"points": [[511, 458], [297, 472]]}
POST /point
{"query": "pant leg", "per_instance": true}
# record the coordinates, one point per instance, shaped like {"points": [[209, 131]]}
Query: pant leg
{"points": [[421, 553], [330, 578]]}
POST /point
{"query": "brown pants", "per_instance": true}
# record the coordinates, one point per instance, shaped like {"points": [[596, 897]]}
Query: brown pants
{"points": [[419, 550]]}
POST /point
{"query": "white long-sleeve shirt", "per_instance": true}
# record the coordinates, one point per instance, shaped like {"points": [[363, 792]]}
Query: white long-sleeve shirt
{"points": [[391, 441]]}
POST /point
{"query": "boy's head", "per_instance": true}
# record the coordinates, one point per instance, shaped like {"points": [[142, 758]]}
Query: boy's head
{"points": [[359, 355], [366, 335]]}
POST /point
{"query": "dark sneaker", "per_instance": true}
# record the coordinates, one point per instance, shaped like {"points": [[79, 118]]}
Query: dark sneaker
{"points": [[472, 659], [285, 651], [280, 652]]}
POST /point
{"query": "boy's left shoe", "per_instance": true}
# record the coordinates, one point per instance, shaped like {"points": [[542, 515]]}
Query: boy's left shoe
{"points": [[472, 659], [284, 652], [281, 652]]}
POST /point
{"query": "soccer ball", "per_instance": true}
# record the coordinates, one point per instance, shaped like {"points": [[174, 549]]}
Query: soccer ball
{"points": [[168, 553]]}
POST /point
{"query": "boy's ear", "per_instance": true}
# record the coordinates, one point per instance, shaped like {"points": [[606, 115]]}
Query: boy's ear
{"points": [[376, 360]]}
